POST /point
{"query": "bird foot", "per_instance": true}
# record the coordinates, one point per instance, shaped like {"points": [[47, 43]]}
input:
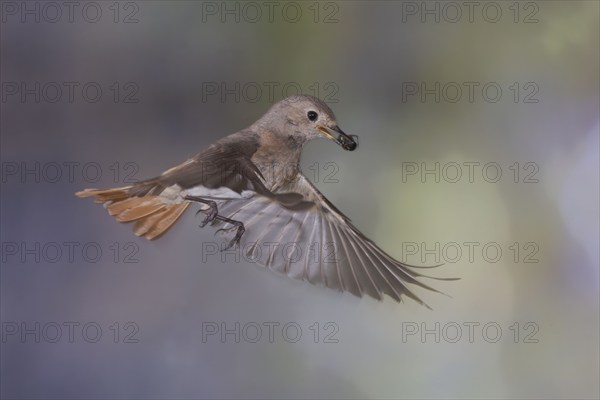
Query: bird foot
{"points": [[212, 210], [240, 229]]}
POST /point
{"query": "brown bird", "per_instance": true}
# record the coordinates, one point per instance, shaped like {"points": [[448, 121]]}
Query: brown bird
{"points": [[250, 184]]}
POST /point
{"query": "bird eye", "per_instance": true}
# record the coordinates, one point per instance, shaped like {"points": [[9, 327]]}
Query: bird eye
{"points": [[312, 115]]}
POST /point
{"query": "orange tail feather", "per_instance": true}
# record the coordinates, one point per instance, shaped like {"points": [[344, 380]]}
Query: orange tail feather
{"points": [[152, 215]]}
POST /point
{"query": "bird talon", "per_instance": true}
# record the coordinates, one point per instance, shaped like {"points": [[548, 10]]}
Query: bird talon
{"points": [[236, 240], [238, 235], [210, 216]]}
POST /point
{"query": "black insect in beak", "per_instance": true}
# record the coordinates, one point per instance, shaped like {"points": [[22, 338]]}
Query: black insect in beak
{"points": [[347, 142]]}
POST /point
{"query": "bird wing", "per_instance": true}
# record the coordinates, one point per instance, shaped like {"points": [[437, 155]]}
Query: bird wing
{"points": [[223, 169], [226, 163], [312, 240]]}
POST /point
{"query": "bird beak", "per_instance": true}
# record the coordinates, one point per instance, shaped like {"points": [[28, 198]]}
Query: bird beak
{"points": [[337, 135]]}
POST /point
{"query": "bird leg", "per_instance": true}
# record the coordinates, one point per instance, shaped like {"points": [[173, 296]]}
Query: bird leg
{"points": [[236, 224], [213, 215], [212, 209]]}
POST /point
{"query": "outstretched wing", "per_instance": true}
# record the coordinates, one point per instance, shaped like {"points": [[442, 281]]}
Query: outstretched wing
{"points": [[312, 240], [227, 163]]}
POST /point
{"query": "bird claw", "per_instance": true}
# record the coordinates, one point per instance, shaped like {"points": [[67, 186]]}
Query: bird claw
{"points": [[238, 235], [210, 217], [213, 217]]}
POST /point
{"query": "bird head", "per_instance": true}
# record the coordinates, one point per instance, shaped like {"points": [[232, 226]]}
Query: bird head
{"points": [[305, 118]]}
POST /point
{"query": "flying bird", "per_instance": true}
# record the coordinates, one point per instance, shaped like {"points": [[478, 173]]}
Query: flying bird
{"points": [[249, 184]]}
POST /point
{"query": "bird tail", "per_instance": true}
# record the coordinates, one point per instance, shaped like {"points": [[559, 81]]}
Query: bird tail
{"points": [[153, 214]]}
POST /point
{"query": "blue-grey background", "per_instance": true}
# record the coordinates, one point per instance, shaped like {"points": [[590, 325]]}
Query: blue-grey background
{"points": [[361, 57]]}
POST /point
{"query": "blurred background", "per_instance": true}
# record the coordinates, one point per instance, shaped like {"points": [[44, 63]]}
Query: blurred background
{"points": [[478, 129]]}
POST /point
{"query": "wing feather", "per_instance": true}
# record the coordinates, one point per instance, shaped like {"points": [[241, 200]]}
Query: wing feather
{"points": [[373, 275], [348, 251], [356, 265]]}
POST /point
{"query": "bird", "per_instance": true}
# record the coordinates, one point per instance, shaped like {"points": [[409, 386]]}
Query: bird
{"points": [[249, 184]]}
